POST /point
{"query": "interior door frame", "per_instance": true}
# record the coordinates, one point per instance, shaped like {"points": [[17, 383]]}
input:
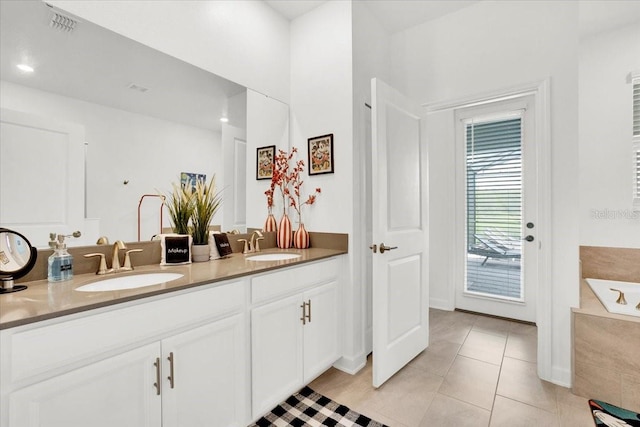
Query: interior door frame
{"points": [[541, 93]]}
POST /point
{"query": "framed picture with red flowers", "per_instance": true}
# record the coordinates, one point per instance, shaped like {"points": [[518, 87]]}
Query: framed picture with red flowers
{"points": [[264, 161], [320, 151]]}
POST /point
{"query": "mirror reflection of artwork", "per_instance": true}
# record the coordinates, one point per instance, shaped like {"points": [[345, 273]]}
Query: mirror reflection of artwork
{"points": [[321, 154], [188, 178], [264, 162]]}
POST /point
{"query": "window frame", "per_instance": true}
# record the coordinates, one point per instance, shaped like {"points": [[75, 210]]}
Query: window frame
{"points": [[635, 136]]}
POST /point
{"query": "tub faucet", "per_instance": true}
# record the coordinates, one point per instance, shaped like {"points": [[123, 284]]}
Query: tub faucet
{"points": [[621, 300]]}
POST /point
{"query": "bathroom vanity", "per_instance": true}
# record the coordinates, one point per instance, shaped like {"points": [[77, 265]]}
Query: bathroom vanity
{"points": [[218, 347]]}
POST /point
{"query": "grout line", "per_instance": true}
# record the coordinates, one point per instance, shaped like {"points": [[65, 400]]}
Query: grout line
{"points": [[495, 394]]}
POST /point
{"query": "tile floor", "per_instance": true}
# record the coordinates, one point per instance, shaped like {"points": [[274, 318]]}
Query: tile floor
{"points": [[478, 371]]}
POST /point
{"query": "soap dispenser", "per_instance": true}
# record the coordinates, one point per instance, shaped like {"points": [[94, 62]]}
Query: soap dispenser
{"points": [[60, 262]]}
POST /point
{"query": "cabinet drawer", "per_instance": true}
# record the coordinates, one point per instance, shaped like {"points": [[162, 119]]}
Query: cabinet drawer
{"points": [[283, 282], [34, 351]]}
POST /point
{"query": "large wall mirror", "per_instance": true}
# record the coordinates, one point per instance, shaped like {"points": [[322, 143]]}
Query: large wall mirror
{"points": [[103, 120]]}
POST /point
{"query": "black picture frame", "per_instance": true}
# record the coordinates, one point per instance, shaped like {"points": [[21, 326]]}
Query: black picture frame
{"points": [[320, 154], [265, 156]]}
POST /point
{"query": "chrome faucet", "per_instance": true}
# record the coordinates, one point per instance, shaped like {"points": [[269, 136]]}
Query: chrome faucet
{"points": [[253, 244], [256, 236], [115, 257]]}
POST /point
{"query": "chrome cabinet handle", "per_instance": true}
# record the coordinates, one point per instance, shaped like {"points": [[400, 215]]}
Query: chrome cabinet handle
{"points": [[171, 377], [157, 383], [529, 238], [384, 248], [309, 311], [304, 313]]}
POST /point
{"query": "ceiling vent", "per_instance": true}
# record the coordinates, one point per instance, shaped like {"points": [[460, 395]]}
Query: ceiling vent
{"points": [[62, 22]]}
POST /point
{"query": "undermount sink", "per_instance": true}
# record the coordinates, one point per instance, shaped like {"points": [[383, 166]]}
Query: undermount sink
{"points": [[129, 282], [272, 257]]}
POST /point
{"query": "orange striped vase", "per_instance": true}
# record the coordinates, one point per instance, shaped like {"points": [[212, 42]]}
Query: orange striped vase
{"points": [[301, 238], [270, 223], [285, 234]]}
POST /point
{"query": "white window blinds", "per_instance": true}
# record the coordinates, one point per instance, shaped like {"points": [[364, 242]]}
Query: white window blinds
{"points": [[636, 140]]}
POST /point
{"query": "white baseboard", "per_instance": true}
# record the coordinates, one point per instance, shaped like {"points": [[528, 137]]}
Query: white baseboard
{"points": [[561, 376], [351, 365], [440, 304]]}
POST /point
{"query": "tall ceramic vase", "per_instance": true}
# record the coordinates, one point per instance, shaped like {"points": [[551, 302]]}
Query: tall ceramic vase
{"points": [[284, 236], [301, 238], [270, 223]]}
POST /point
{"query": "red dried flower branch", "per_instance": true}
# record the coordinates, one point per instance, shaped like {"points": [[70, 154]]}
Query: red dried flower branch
{"points": [[283, 178]]}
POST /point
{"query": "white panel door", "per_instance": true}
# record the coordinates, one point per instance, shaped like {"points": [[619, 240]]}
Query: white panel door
{"points": [[321, 337], [234, 177], [41, 176], [204, 376], [118, 391], [276, 352], [399, 205]]}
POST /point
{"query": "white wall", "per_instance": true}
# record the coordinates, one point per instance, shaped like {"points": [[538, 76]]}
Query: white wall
{"points": [[267, 124], [242, 40], [607, 217], [322, 103], [370, 59], [150, 153], [484, 48]]}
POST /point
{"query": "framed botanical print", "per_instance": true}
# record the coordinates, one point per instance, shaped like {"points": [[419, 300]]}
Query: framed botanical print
{"points": [[264, 161], [320, 151]]}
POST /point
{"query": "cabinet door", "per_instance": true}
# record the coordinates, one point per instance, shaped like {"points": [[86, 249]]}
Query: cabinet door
{"points": [[118, 391], [321, 338], [208, 383], [276, 353]]}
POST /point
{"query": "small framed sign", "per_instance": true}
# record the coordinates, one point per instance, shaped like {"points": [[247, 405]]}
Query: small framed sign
{"points": [[264, 161], [320, 151]]}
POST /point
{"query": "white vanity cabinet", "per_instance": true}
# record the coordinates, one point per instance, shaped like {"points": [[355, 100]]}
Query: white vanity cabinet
{"points": [[178, 360], [294, 330], [112, 392]]}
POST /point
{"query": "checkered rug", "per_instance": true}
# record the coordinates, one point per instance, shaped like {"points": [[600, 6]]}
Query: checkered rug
{"points": [[308, 408]]}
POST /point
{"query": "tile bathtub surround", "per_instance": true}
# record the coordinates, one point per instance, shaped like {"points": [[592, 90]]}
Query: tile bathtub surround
{"points": [[610, 263], [477, 371], [606, 362]]}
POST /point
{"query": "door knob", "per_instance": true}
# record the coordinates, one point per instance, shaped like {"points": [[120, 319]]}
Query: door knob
{"points": [[529, 238], [384, 248]]}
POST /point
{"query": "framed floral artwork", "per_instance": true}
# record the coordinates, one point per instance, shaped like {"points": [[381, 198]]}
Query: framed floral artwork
{"points": [[320, 149], [264, 161]]}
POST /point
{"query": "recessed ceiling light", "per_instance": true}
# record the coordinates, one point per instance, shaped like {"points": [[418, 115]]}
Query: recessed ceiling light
{"points": [[24, 67], [224, 119]]}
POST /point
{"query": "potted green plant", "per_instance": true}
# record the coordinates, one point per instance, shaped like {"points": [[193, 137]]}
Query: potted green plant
{"points": [[206, 202], [180, 205]]}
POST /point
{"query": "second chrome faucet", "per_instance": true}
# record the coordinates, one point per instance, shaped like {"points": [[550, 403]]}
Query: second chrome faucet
{"points": [[253, 245], [115, 259]]}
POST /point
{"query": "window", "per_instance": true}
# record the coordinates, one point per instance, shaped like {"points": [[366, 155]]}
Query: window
{"points": [[494, 206], [636, 138]]}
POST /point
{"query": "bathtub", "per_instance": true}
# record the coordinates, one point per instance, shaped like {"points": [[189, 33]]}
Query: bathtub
{"points": [[602, 289]]}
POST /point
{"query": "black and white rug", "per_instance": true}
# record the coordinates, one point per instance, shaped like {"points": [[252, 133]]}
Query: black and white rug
{"points": [[308, 408]]}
